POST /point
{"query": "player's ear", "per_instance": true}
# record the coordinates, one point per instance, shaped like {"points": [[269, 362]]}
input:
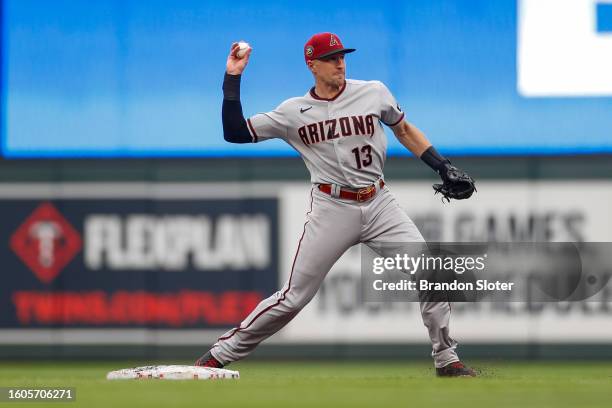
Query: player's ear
{"points": [[311, 66]]}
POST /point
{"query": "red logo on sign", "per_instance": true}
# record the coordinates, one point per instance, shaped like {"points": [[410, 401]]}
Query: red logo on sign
{"points": [[46, 242]]}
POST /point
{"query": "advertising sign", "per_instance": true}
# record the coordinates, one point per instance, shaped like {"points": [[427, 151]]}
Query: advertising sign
{"points": [[174, 263]]}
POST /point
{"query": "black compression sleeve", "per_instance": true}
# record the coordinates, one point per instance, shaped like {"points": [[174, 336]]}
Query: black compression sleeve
{"points": [[235, 128], [231, 87], [434, 160]]}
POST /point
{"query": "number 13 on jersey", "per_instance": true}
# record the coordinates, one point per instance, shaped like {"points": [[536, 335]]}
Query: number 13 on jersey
{"points": [[366, 151]]}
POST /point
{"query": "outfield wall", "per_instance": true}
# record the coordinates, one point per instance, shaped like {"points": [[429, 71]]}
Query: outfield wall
{"points": [[155, 266]]}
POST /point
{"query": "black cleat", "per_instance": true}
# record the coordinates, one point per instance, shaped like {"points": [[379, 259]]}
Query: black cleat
{"points": [[456, 369], [207, 360]]}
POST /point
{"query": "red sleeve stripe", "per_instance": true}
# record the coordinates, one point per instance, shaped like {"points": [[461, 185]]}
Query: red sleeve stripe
{"points": [[252, 129], [398, 121]]}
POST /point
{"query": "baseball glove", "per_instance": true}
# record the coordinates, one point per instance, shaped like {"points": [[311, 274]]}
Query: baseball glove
{"points": [[456, 184]]}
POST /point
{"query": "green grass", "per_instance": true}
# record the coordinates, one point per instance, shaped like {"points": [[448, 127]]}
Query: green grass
{"points": [[329, 384]]}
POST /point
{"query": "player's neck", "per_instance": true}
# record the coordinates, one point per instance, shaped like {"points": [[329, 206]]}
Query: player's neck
{"points": [[327, 91]]}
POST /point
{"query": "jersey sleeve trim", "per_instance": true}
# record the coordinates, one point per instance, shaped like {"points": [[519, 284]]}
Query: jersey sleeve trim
{"points": [[252, 130], [398, 121]]}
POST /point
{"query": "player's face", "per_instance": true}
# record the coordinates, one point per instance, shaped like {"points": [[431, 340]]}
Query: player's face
{"points": [[330, 70]]}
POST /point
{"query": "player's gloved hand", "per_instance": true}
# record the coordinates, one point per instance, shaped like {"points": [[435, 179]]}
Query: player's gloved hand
{"points": [[456, 183]]}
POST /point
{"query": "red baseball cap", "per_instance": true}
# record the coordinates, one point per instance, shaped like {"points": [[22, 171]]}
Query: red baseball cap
{"points": [[323, 45]]}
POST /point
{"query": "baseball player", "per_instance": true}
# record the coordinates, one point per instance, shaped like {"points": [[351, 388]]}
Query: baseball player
{"points": [[337, 129]]}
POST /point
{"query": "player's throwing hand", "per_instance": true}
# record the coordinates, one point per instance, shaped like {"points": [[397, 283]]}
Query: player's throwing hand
{"points": [[236, 65]]}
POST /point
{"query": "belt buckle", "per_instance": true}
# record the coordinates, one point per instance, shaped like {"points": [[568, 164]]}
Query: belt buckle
{"points": [[365, 193]]}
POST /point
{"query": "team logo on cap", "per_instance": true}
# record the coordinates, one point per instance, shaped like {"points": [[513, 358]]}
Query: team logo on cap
{"points": [[333, 41], [309, 51]]}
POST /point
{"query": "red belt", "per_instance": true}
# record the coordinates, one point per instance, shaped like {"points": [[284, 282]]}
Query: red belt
{"points": [[361, 195]]}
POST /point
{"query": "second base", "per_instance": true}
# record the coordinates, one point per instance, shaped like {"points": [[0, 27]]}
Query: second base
{"points": [[173, 372]]}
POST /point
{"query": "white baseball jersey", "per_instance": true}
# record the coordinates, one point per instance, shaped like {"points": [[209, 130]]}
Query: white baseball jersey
{"points": [[341, 140]]}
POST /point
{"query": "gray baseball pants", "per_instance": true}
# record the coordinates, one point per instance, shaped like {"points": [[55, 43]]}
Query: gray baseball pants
{"points": [[332, 226]]}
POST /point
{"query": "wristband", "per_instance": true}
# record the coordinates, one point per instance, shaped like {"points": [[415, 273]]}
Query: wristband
{"points": [[433, 159]]}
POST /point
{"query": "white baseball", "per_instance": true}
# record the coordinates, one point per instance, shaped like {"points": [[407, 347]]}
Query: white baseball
{"points": [[243, 47]]}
